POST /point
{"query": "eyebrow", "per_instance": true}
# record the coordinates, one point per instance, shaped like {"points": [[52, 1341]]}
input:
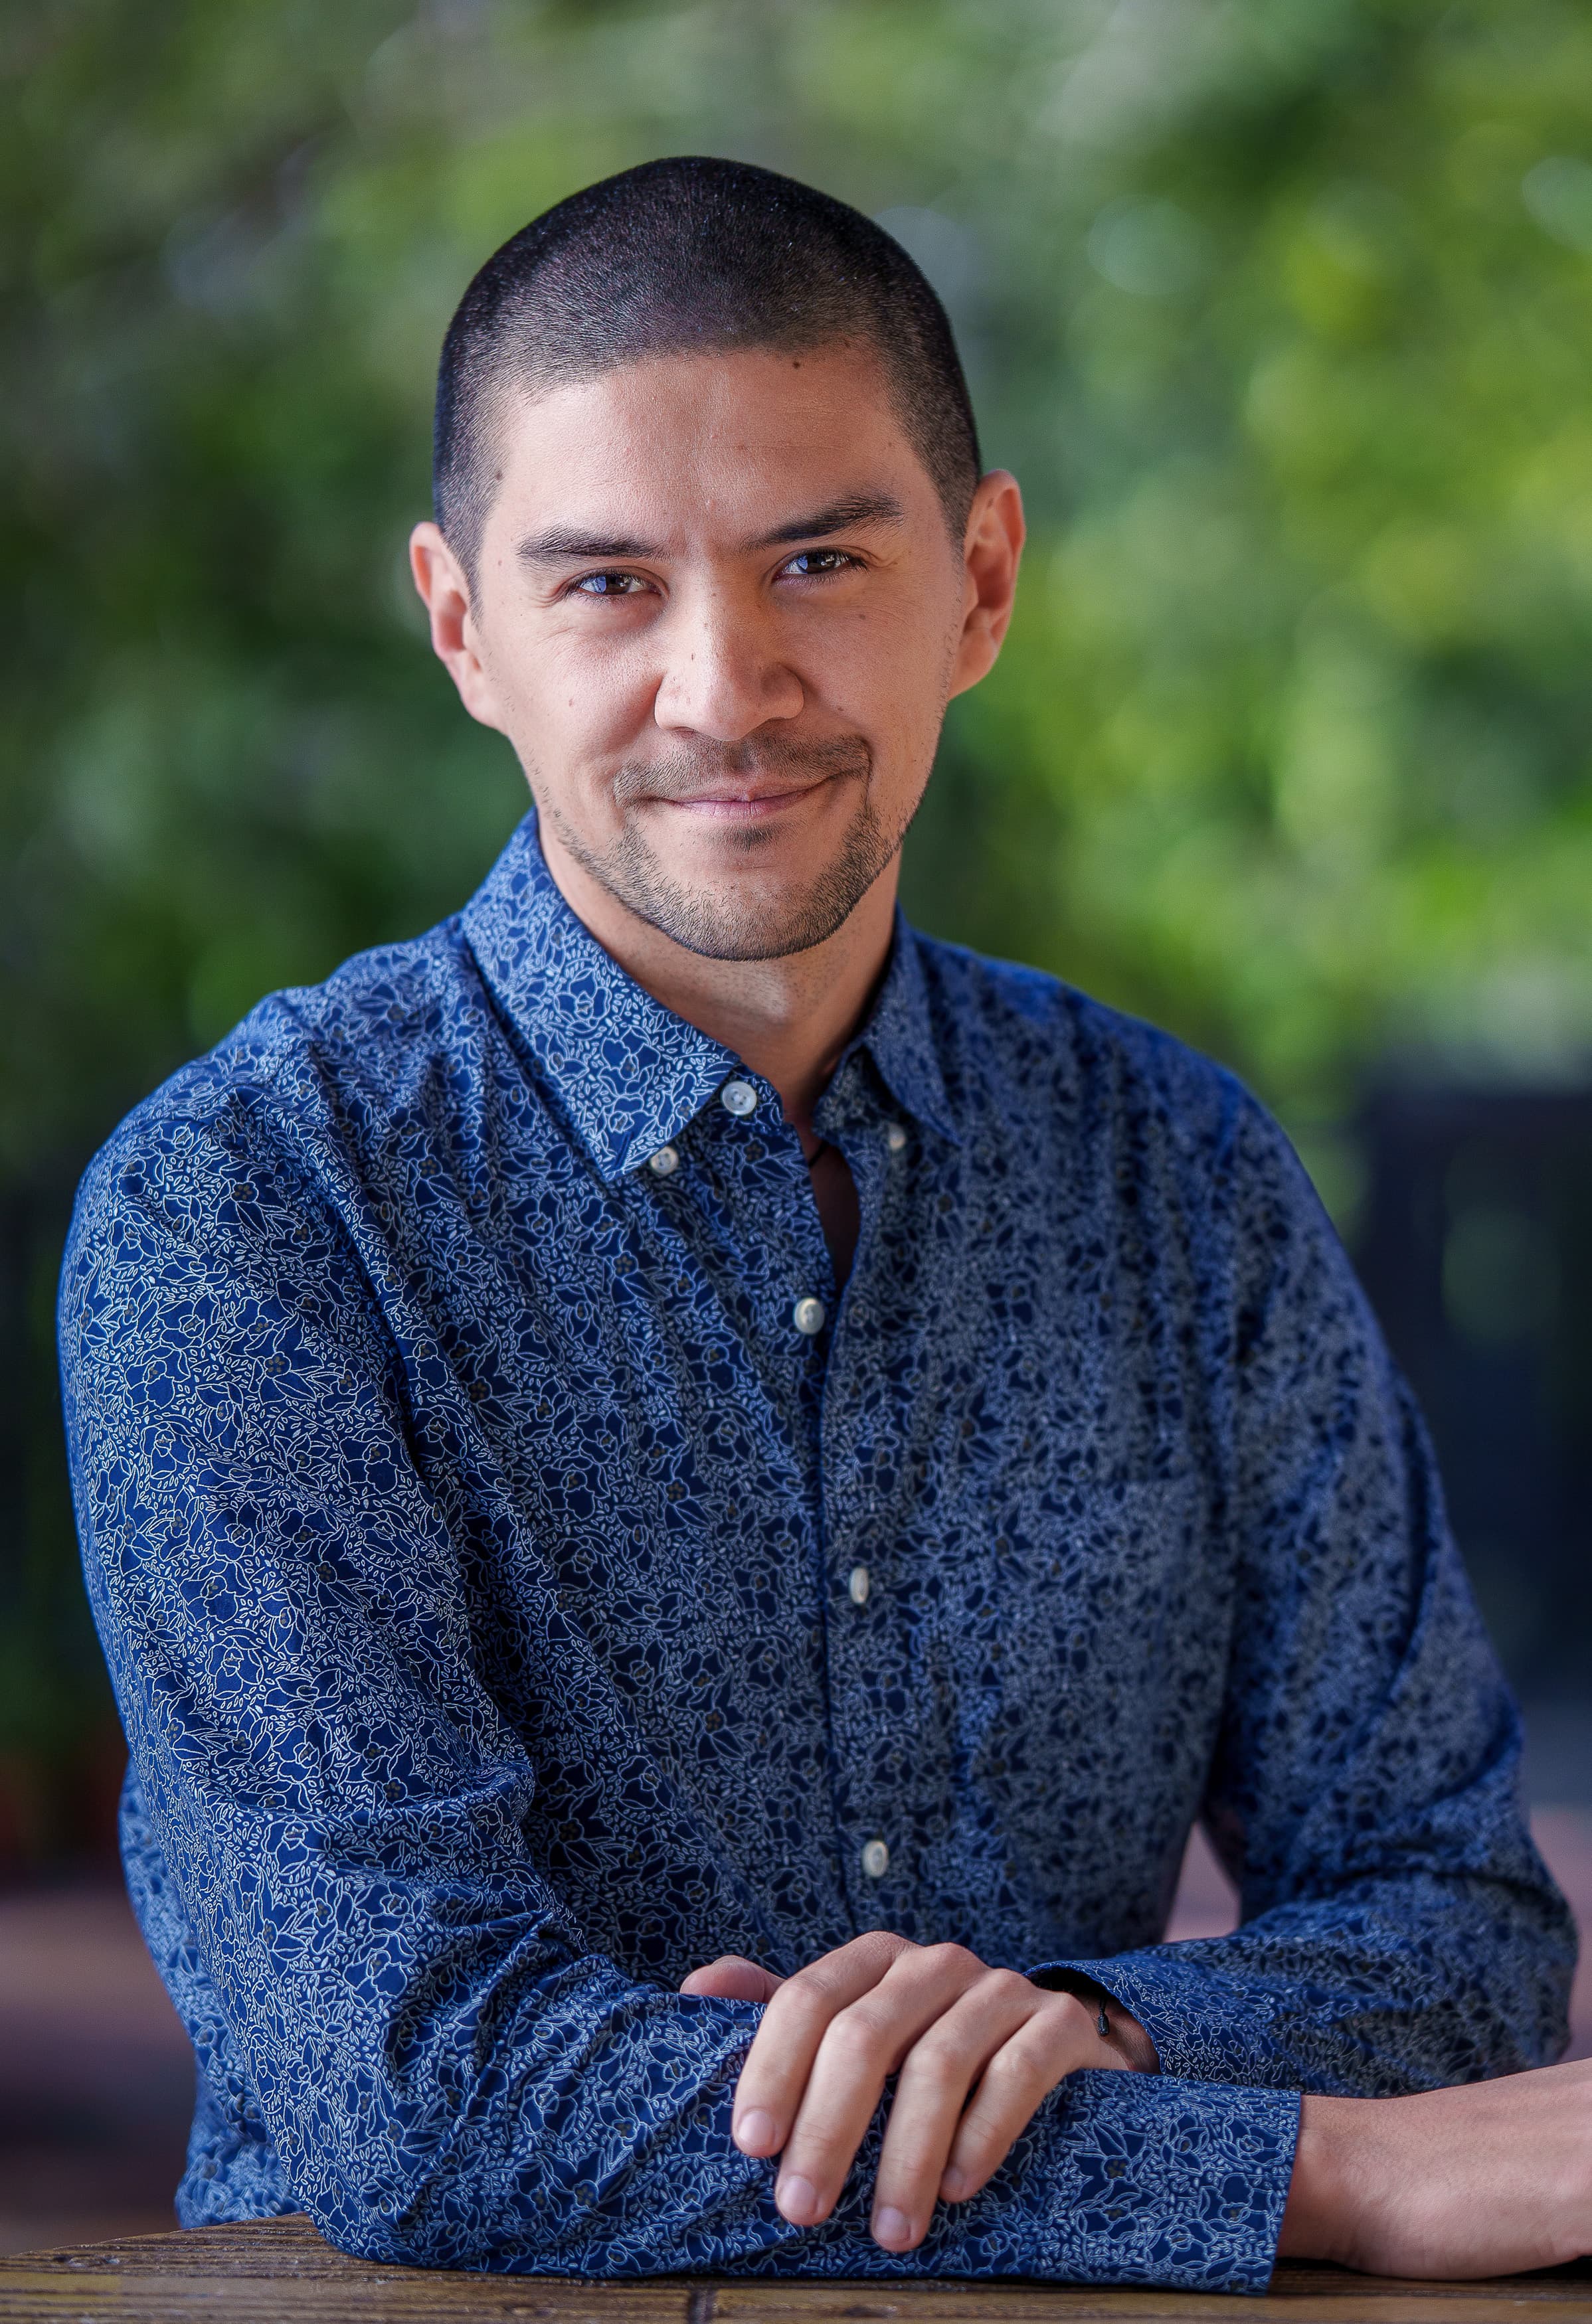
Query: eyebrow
{"points": [[839, 516], [567, 545], [561, 544]]}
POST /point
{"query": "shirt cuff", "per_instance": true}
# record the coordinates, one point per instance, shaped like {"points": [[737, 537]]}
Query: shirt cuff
{"points": [[1177, 2182], [1207, 2026]]}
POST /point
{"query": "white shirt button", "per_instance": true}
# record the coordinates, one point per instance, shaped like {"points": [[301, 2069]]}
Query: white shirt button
{"points": [[895, 1137], [858, 1583], [808, 1316], [875, 1859], [738, 1098], [665, 1161]]}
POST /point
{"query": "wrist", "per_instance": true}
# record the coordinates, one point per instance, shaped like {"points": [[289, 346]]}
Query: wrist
{"points": [[1319, 2220], [1131, 2039], [1115, 2025]]}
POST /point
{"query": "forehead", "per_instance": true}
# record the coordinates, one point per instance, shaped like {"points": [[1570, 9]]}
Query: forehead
{"points": [[694, 442]]}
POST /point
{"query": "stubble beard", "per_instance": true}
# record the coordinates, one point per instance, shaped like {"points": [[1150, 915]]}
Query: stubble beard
{"points": [[736, 923]]}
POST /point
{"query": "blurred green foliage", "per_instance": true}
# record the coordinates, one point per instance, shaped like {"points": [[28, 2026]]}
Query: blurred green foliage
{"points": [[1281, 309]]}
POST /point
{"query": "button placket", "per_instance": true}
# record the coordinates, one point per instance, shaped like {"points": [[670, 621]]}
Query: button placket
{"points": [[739, 1099], [859, 1642]]}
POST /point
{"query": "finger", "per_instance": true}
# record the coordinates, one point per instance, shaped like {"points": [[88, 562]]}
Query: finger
{"points": [[1059, 2040], [936, 2077], [863, 2044], [777, 2066], [732, 1978]]}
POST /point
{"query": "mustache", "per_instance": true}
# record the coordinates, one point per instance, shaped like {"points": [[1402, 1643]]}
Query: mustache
{"points": [[691, 769]]}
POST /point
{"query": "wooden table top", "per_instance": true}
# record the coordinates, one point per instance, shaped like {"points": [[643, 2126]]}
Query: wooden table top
{"points": [[279, 2272]]}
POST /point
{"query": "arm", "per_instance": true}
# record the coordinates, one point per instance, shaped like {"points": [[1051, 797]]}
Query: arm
{"points": [[1398, 1931], [276, 1554]]}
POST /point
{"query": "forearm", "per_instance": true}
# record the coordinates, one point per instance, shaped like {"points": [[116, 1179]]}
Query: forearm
{"points": [[632, 2170]]}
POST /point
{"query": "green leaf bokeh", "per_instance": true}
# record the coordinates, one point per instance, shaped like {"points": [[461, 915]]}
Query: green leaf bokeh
{"points": [[1281, 309]]}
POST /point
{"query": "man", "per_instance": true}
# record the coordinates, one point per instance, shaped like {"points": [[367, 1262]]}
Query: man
{"points": [[689, 1492]]}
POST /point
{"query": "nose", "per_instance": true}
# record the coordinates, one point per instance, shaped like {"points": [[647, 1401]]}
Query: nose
{"points": [[723, 675]]}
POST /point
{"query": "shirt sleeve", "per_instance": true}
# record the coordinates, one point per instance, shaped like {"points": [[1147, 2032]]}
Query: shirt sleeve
{"points": [[1399, 1929], [448, 2075]]}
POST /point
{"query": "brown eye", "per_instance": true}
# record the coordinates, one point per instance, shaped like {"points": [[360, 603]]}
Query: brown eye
{"points": [[813, 563]]}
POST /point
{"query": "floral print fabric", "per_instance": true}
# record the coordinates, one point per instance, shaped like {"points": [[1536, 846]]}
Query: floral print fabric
{"points": [[513, 1602]]}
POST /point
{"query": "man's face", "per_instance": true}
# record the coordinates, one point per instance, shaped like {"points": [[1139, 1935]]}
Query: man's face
{"points": [[719, 613]]}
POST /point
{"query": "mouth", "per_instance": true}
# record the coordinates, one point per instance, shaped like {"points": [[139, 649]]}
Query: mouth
{"points": [[744, 789], [743, 798], [746, 805]]}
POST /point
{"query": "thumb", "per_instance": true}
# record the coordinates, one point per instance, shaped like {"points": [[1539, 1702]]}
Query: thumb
{"points": [[733, 1979]]}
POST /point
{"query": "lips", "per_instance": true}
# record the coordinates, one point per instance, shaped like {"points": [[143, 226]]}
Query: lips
{"points": [[743, 796], [765, 778]]}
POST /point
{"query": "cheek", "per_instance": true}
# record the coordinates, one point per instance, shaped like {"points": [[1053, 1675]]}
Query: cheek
{"points": [[892, 677], [899, 648], [578, 692]]}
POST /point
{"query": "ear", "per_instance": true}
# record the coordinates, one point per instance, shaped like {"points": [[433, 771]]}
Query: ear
{"points": [[992, 551], [445, 591]]}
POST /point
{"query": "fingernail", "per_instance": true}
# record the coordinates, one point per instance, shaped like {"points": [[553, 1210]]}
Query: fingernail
{"points": [[754, 2132], [798, 2199], [893, 2228], [953, 2184]]}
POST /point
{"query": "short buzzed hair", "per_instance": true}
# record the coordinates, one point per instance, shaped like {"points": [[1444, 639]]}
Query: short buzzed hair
{"points": [[684, 254]]}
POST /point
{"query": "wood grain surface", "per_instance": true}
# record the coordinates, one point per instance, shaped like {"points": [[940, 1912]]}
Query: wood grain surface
{"points": [[279, 2270]]}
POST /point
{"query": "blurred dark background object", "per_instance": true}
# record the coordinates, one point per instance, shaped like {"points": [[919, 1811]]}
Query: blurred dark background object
{"points": [[1282, 310], [1476, 1247]]}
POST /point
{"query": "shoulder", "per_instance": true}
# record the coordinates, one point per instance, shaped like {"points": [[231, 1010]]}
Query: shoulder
{"points": [[1168, 1145], [1010, 1033], [1086, 1088], [311, 1073]]}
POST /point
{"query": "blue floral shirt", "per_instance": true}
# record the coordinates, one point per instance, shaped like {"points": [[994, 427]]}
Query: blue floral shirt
{"points": [[526, 1575]]}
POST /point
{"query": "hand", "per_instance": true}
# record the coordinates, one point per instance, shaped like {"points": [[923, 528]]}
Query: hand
{"points": [[1484, 2179], [933, 2014]]}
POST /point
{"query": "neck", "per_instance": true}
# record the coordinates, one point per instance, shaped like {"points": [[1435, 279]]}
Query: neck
{"points": [[788, 1020]]}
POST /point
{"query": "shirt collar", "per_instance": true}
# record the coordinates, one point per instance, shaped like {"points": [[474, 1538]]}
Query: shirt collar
{"points": [[628, 1073]]}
